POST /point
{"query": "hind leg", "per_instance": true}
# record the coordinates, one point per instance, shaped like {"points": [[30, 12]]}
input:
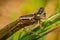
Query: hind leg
{"points": [[30, 28], [40, 23]]}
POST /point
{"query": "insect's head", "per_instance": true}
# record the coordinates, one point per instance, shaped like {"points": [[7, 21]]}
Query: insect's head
{"points": [[41, 14]]}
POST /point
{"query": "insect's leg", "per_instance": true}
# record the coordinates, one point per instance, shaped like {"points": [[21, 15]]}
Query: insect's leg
{"points": [[29, 29], [24, 29], [40, 22]]}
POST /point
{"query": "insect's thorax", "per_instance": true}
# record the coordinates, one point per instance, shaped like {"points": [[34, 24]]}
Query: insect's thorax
{"points": [[30, 17]]}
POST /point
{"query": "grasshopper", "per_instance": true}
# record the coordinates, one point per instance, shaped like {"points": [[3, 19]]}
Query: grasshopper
{"points": [[41, 14], [23, 21]]}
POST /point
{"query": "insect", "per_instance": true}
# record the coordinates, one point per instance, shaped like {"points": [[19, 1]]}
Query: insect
{"points": [[23, 21], [41, 14]]}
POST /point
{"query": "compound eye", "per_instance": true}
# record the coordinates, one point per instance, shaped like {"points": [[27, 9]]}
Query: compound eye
{"points": [[41, 10], [44, 14]]}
